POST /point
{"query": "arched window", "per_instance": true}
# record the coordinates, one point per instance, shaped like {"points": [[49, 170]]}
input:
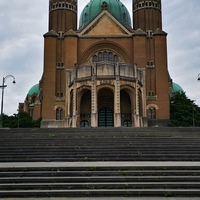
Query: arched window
{"points": [[59, 114], [115, 58], [110, 57], [85, 17], [105, 56], [84, 123], [127, 123], [124, 16], [152, 113], [100, 57], [94, 58]]}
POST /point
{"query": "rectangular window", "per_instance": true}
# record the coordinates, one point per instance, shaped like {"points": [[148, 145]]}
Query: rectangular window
{"points": [[152, 113], [60, 65], [150, 64], [59, 114]]}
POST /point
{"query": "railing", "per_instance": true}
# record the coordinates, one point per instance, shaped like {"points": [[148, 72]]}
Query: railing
{"points": [[105, 70]]}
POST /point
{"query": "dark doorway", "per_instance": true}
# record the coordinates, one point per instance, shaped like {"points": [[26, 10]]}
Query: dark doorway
{"points": [[106, 118]]}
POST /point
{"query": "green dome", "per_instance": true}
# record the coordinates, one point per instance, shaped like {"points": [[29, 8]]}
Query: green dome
{"points": [[115, 7], [177, 88], [34, 90]]}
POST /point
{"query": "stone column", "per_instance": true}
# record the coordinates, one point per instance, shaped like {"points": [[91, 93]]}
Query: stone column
{"points": [[74, 117], [67, 98], [144, 117], [117, 110], [94, 110], [136, 117]]}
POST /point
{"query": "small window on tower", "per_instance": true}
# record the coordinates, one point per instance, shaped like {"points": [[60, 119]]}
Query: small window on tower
{"points": [[149, 33], [60, 35]]}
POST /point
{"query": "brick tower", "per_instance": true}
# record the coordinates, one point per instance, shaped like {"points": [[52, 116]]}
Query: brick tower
{"points": [[152, 47], [62, 19]]}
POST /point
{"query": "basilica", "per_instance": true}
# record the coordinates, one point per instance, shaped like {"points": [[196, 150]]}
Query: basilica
{"points": [[105, 71]]}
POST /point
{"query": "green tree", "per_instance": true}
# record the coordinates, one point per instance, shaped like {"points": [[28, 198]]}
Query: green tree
{"points": [[183, 111], [20, 120]]}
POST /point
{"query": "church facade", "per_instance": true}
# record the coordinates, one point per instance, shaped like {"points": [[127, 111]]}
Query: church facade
{"points": [[108, 72]]}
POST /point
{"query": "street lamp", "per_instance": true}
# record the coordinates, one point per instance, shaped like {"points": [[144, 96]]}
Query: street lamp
{"points": [[198, 79], [2, 95]]}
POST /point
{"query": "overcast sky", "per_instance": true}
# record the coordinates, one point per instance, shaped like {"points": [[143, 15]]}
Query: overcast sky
{"points": [[23, 23]]}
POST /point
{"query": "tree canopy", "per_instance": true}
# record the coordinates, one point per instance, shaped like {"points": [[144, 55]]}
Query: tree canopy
{"points": [[183, 111], [20, 120]]}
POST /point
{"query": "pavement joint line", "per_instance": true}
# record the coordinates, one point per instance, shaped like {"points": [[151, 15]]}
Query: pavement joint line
{"points": [[107, 198], [99, 164]]}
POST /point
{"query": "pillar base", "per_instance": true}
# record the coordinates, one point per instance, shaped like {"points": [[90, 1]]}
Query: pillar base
{"points": [[117, 120], [94, 120]]}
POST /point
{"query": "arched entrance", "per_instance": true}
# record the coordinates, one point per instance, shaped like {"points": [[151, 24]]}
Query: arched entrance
{"points": [[85, 109], [126, 108], [105, 108]]}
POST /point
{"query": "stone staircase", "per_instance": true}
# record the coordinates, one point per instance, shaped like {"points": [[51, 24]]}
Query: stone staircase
{"points": [[105, 162]]}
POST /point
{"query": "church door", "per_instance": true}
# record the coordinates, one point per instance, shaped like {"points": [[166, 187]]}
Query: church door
{"points": [[106, 118]]}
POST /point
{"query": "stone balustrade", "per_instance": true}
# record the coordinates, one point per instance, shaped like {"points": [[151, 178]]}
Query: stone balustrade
{"points": [[106, 70]]}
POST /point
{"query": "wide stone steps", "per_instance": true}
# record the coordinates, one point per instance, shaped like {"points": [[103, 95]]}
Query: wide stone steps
{"points": [[93, 163], [151, 181], [71, 145]]}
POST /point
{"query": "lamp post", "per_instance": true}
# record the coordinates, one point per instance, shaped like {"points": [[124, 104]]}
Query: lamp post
{"points": [[198, 79], [3, 86]]}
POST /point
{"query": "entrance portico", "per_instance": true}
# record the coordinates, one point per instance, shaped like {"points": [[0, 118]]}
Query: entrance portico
{"points": [[108, 98]]}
